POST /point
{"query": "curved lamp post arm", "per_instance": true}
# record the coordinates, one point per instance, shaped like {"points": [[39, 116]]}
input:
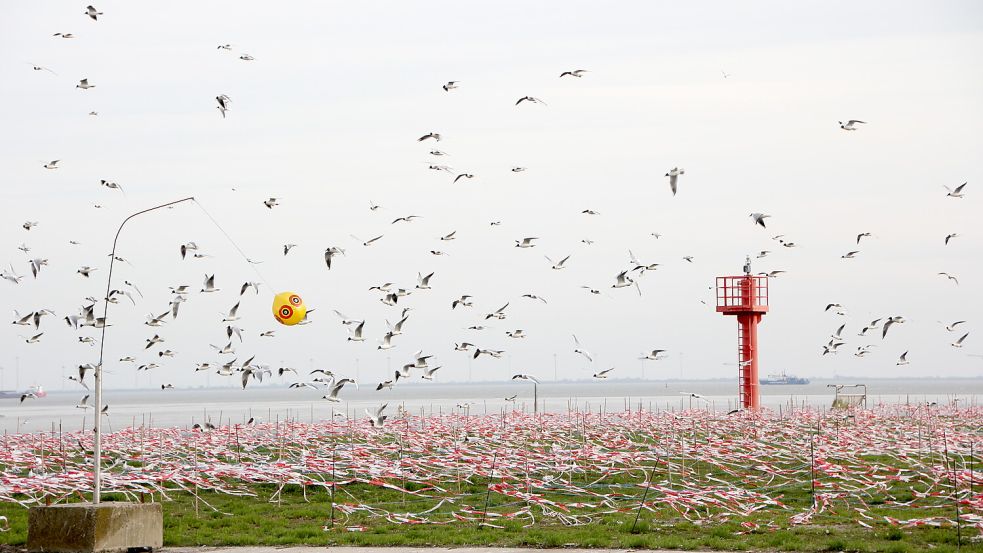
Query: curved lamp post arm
{"points": [[97, 426]]}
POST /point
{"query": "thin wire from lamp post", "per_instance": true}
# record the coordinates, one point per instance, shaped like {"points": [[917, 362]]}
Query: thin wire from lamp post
{"points": [[97, 428]]}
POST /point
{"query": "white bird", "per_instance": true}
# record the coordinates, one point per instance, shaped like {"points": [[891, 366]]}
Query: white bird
{"points": [[888, 323], [246, 57], [580, 350], [557, 265], [903, 360], [603, 374], [959, 343], [534, 297], [423, 282], [526, 243], [232, 315], [209, 285], [356, 335], [759, 219], [950, 237], [435, 136], [863, 235], [463, 302], [223, 103], [849, 125], [92, 13], [850, 255], [654, 355], [957, 193], [673, 175], [84, 84], [463, 176], [451, 85], [333, 393], [33, 339], [498, 313], [386, 342], [153, 341], [271, 203], [575, 73], [517, 333], [428, 373], [531, 100], [525, 377], [952, 327], [950, 277], [330, 253], [378, 419]]}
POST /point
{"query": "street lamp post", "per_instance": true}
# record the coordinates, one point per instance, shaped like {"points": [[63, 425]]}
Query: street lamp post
{"points": [[97, 446]]}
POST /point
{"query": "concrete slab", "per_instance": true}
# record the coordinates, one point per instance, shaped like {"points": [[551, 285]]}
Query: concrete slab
{"points": [[88, 528]]}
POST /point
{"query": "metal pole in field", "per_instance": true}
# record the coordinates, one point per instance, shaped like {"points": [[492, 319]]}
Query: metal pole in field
{"points": [[97, 447]]}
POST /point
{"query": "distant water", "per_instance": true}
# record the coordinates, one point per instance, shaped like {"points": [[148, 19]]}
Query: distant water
{"points": [[183, 407]]}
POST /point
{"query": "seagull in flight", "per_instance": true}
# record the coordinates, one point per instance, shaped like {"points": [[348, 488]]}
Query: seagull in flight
{"points": [[888, 323], [223, 103], [759, 219], [903, 360], [463, 176], [863, 235], [849, 125], [525, 377], [451, 85], [333, 393], [84, 84], [575, 73], [959, 343], [526, 243], [92, 13], [957, 193], [580, 350], [530, 99], [952, 327], [603, 374], [435, 136], [209, 285], [557, 265], [654, 355], [378, 419], [673, 175], [850, 255], [950, 237], [950, 277]]}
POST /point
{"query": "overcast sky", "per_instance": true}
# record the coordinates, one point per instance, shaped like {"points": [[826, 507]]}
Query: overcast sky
{"points": [[326, 117]]}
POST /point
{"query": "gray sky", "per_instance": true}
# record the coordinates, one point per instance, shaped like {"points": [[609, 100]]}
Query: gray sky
{"points": [[326, 119]]}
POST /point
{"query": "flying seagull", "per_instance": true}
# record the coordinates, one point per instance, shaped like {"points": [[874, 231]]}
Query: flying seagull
{"points": [[759, 219], [575, 73], [849, 125], [673, 175], [92, 13], [958, 192], [223, 103]]}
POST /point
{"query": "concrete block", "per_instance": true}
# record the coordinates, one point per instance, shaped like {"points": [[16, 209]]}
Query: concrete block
{"points": [[89, 528]]}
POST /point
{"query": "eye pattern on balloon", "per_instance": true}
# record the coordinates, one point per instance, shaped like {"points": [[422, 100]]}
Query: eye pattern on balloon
{"points": [[289, 308]]}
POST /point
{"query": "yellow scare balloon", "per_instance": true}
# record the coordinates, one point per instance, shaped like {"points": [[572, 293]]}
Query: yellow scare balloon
{"points": [[289, 308]]}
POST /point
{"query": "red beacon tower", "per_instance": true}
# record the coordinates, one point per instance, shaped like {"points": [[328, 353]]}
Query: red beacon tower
{"points": [[746, 297]]}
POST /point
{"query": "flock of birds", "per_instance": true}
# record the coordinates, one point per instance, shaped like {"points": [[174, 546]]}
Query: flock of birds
{"points": [[390, 294]]}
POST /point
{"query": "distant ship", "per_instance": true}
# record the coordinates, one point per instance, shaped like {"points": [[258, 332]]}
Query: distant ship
{"points": [[782, 379], [14, 394]]}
